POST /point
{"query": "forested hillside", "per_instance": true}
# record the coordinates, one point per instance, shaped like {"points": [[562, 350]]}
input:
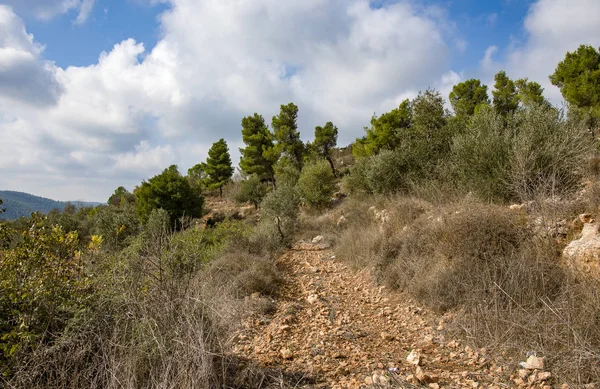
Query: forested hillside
{"points": [[442, 249], [18, 204]]}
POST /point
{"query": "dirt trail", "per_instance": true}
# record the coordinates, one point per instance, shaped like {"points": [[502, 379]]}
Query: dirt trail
{"points": [[334, 325]]}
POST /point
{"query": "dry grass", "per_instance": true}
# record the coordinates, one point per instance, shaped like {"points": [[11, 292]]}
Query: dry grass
{"points": [[492, 267], [147, 329]]}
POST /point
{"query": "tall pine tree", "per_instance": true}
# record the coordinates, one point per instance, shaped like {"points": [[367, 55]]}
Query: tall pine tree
{"points": [[285, 129], [258, 157], [506, 98], [218, 166]]}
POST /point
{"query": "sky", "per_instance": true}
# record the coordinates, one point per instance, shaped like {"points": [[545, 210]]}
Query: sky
{"points": [[97, 94]]}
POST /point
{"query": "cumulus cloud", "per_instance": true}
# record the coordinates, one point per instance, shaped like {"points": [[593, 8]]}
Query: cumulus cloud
{"points": [[24, 76], [552, 27], [137, 111], [48, 9]]}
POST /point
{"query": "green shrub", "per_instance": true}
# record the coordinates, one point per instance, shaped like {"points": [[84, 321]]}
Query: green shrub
{"points": [[251, 190], [280, 211], [481, 155], [42, 285], [171, 192], [356, 181], [116, 225], [317, 184], [390, 171], [549, 153]]}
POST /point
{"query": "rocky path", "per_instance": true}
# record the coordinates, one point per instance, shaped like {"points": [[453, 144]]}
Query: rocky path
{"points": [[334, 325]]}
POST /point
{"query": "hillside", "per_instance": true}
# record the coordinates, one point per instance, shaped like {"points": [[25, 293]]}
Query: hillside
{"points": [[18, 204]]}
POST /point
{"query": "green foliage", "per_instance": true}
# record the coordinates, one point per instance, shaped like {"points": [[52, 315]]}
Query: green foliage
{"points": [[197, 177], [386, 132], [418, 147], [252, 190], [530, 93], [317, 184], [506, 98], [116, 225], [325, 141], [430, 138], [578, 77], [259, 155], [171, 192], [466, 96], [549, 153], [218, 166], [356, 181], [286, 172], [529, 154], [42, 285], [121, 197], [280, 211], [481, 156], [285, 129]]}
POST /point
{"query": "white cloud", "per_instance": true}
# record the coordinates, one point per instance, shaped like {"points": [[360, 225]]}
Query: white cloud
{"points": [[23, 75], [136, 111], [48, 9], [85, 9]]}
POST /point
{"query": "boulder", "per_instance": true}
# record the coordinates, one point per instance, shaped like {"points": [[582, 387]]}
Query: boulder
{"points": [[584, 253]]}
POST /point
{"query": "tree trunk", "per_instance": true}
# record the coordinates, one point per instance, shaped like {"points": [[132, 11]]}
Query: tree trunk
{"points": [[221, 191], [332, 167]]}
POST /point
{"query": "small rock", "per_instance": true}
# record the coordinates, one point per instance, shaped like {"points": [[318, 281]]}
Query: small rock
{"points": [[434, 385], [387, 337], [286, 353], [341, 221], [312, 298], [369, 380], [544, 376], [534, 363], [425, 378], [318, 239], [523, 373], [414, 358]]}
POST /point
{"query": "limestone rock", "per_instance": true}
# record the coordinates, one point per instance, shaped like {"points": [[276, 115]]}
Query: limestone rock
{"points": [[425, 378], [414, 358], [584, 252], [312, 298], [318, 239], [286, 353], [533, 363]]}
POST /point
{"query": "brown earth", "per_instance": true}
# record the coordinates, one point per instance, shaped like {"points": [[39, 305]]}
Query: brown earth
{"points": [[333, 325]]}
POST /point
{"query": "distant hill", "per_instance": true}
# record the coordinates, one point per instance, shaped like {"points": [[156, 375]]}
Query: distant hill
{"points": [[19, 204]]}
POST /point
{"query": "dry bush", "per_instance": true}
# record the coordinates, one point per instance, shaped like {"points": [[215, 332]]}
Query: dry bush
{"points": [[247, 273], [502, 277], [150, 327]]}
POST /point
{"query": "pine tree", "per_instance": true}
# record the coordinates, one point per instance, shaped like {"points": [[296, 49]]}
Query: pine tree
{"points": [[530, 93], [506, 99], [466, 96], [285, 129], [258, 157], [325, 140], [218, 166], [578, 77]]}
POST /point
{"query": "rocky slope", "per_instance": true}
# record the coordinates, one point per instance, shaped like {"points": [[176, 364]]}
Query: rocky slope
{"points": [[333, 325]]}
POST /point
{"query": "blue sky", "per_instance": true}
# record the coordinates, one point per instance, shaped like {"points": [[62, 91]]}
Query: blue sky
{"points": [[95, 94]]}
